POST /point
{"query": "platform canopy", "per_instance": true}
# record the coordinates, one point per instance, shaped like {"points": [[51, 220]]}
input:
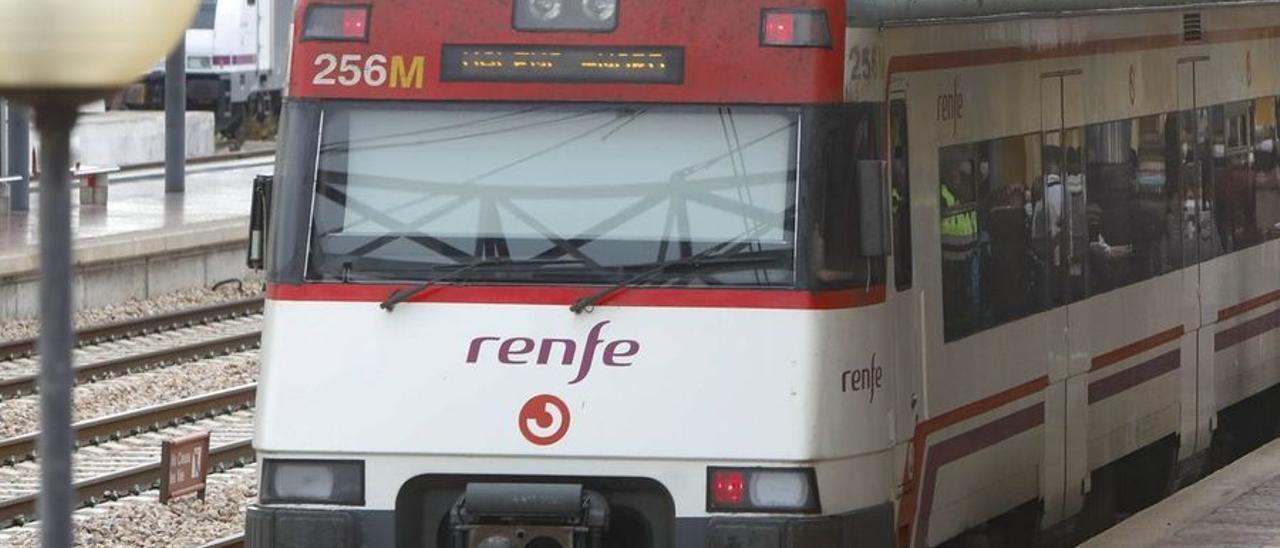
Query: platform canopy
{"points": [[873, 13]]}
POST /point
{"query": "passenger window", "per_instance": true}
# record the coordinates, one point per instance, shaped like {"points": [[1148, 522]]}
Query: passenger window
{"points": [[1013, 201], [1266, 171], [961, 290], [900, 168], [1133, 211], [1237, 228]]}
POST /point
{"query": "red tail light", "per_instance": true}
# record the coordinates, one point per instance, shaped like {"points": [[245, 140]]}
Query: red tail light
{"points": [[338, 23], [771, 490], [728, 487], [794, 27]]}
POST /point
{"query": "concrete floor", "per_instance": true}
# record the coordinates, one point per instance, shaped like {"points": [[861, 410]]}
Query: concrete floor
{"points": [[141, 205], [1235, 507]]}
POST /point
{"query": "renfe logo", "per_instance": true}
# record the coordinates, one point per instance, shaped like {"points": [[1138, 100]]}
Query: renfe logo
{"points": [[518, 351]]}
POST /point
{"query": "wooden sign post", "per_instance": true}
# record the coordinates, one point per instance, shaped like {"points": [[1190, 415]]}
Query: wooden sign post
{"points": [[185, 462]]}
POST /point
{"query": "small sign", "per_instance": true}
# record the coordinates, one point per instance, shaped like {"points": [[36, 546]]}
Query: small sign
{"points": [[185, 462]]}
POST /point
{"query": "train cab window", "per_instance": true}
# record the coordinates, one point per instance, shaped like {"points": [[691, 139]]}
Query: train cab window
{"points": [[829, 227], [556, 193], [1265, 170], [205, 15], [900, 172]]}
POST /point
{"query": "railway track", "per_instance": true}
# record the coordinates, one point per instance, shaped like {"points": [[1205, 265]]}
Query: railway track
{"points": [[236, 541], [168, 354], [129, 466], [134, 423], [22, 348]]}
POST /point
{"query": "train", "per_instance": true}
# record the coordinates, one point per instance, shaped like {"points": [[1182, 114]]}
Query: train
{"points": [[237, 58], [814, 273]]}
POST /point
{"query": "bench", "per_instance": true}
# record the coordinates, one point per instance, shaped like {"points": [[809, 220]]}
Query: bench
{"points": [[92, 181]]}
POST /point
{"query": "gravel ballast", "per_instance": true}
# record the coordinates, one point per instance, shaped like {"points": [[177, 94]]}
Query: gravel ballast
{"points": [[142, 522], [122, 394], [250, 286]]}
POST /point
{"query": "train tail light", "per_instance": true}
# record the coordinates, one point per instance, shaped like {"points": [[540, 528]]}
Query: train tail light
{"points": [[794, 27], [348, 23], [779, 490]]}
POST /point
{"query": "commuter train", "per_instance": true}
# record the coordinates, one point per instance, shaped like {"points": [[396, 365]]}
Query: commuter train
{"points": [[237, 55], [762, 273]]}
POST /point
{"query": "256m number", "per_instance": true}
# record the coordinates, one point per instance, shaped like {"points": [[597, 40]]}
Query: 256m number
{"points": [[374, 71]]}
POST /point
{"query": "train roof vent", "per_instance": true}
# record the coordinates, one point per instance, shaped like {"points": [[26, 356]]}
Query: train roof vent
{"points": [[1192, 29]]}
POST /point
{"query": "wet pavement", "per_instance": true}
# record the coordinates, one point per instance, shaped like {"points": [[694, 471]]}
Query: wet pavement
{"points": [[1237, 506], [137, 202]]}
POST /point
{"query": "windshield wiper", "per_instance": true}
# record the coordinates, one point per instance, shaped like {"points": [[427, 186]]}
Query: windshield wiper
{"points": [[706, 257], [402, 295]]}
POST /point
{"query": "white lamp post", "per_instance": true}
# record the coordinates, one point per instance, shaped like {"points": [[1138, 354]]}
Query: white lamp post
{"points": [[54, 56]]}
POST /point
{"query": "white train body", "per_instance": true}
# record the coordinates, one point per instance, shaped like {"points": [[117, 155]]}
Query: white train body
{"points": [[237, 56], [1111, 329]]}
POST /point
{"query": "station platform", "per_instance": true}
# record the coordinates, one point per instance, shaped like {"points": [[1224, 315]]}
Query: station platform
{"points": [[143, 242], [1238, 505]]}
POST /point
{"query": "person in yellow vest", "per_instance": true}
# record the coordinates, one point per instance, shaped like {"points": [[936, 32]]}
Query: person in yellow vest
{"points": [[960, 257]]}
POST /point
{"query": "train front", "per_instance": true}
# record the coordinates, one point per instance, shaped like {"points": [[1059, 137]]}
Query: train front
{"points": [[574, 273]]}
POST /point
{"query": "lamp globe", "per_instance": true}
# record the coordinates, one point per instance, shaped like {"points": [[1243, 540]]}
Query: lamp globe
{"points": [[84, 48]]}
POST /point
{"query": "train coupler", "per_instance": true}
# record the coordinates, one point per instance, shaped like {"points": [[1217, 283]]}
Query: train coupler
{"points": [[529, 515]]}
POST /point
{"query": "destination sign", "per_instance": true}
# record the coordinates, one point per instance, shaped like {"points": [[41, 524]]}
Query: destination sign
{"points": [[566, 64]]}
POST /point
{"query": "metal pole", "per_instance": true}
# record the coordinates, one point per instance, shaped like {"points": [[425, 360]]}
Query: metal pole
{"points": [[20, 156], [54, 122], [175, 112]]}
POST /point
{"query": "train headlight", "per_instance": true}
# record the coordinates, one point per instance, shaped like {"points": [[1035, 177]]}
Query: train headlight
{"points": [[199, 62], [545, 10], [565, 15], [600, 10], [776, 490], [313, 482]]}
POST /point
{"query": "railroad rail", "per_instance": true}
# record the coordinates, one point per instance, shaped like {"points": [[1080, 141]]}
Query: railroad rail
{"points": [[94, 372], [22, 348], [90, 491], [132, 423], [236, 541]]}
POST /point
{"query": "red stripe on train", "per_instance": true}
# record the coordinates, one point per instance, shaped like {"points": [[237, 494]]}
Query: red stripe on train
{"points": [[565, 296]]}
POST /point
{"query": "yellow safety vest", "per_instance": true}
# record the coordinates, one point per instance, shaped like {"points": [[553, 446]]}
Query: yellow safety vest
{"points": [[959, 226]]}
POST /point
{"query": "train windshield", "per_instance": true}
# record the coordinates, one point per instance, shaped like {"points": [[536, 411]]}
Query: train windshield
{"points": [[205, 15], [556, 193]]}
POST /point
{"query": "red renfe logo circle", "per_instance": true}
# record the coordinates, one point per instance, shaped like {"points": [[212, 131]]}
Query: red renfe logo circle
{"points": [[544, 420]]}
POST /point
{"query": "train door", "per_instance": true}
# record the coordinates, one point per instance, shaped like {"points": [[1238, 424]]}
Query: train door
{"points": [[1194, 159], [1061, 242], [907, 303]]}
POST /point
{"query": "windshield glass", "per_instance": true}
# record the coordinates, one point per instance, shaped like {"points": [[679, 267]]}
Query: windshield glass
{"points": [[205, 15], [404, 190]]}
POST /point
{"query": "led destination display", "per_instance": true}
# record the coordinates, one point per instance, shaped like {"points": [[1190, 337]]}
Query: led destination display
{"points": [[638, 65]]}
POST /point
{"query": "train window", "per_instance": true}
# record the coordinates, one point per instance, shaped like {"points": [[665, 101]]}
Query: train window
{"points": [[1266, 170], [900, 171], [560, 193], [1133, 211], [961, 293], [1059, 226], [830, 229], [1013, 214], [1234, 210], [205, 15], [1204, 200]]}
